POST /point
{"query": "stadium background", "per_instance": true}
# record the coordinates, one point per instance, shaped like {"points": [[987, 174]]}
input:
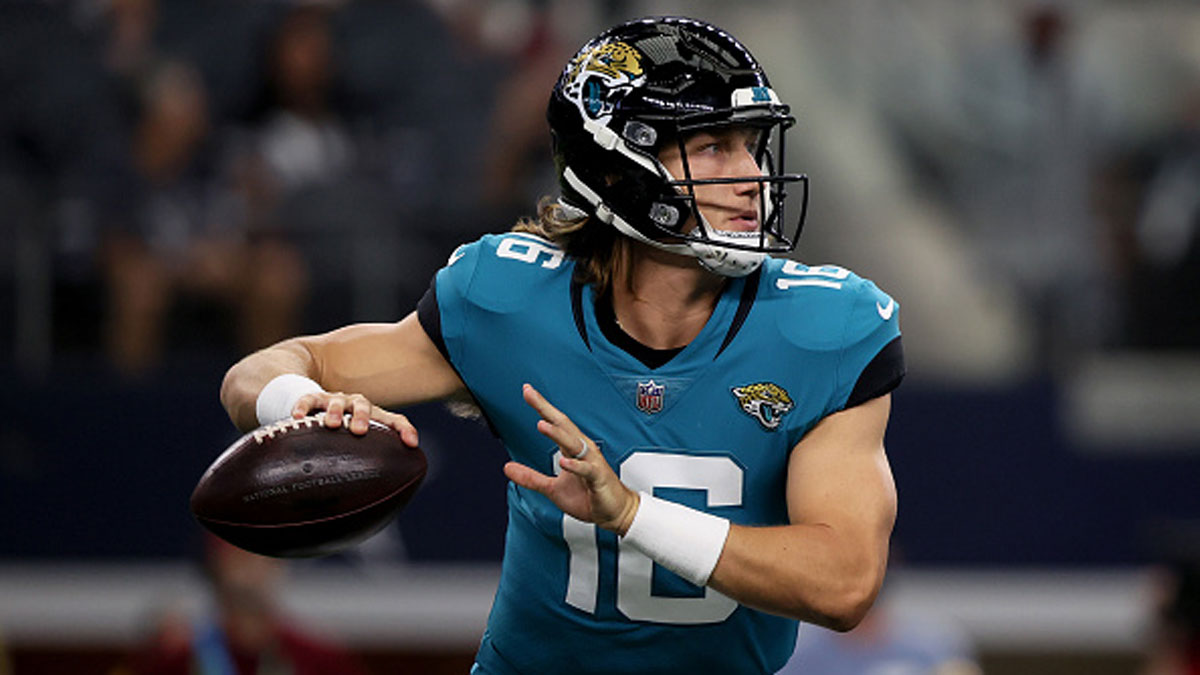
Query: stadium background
{"points": [[1024, 176]]}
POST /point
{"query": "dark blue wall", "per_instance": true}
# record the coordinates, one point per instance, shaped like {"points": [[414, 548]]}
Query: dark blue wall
{"points": [[95, 467]]}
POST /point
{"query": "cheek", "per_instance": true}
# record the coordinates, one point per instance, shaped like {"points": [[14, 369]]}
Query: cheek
{"points": [[706, 166], [706, 195], [674, 166]]}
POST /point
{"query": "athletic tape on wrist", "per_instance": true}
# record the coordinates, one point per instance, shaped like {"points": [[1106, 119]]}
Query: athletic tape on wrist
{"points": [[686, 541], [276, 400]]}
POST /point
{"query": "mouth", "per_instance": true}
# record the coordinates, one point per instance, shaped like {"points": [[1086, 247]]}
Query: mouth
{"points": [[744, 221]]}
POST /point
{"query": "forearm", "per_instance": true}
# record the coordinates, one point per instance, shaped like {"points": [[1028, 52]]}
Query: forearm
{"points": [[808, 572], [244, 381], [392, 365]]}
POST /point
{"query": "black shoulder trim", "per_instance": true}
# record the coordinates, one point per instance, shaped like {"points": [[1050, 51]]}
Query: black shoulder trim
{"points": [[577, 311], [749, 292], [431, 319], [882, 374]]}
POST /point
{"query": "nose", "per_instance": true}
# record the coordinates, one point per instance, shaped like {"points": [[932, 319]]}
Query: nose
{"points": [[745, 165]]}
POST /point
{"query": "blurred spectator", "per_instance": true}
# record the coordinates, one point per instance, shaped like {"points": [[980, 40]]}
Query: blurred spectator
{"points": [[302, 138], [315, 165], [247, 632], [373, 132], [129, 47], [888, 641], [5, 666], [517, 158], [885, 643], [1006, 131], [1156, 221], [191, 237], [1176, 647], [64, 175]]}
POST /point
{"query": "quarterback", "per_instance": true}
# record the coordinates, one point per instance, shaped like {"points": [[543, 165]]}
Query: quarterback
{"points": [[696, 427]]}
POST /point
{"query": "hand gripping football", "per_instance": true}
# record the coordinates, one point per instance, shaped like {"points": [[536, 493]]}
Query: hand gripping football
{"points": [[297, 488]]}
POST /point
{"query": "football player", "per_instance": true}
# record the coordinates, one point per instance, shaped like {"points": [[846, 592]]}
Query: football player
{"points": [[696, 427]]}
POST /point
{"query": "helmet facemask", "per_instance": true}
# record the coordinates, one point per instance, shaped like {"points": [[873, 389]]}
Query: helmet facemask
{"points": [[735, 253]]}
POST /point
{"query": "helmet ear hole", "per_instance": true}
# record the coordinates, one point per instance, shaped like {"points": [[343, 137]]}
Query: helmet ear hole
{"points": [[640, 134], [665, 215]]}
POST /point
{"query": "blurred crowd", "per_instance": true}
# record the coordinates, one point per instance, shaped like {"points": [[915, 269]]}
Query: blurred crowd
{"points": [[244, 627], [199, 176], [187, 175]]}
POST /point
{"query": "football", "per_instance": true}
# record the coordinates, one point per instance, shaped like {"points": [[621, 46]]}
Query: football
{"points": [[298, 489]]}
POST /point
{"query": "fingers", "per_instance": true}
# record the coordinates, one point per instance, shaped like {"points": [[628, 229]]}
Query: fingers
{"points": [[554, 424], [335, 408], [337, 405], [580, 467], [360, 410], [527, 477], [595, 493], [305, 404], [408, 433], [548, 412], [579, 454]]}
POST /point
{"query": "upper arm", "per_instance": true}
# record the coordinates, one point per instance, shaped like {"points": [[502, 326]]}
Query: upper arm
{"points": [[393, 365], [839, 477]]}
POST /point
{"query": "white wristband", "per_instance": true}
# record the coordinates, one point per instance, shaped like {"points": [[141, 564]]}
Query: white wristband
{"points": [[686, 541], [279, 397]]}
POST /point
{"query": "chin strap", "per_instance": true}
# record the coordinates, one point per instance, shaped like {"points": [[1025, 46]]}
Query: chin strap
{"points": [[571, 211], [728, 262], [723, 260]]}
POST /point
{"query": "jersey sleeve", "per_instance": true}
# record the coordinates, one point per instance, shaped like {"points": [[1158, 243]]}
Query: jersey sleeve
{"points": [[441, 310], [486, 288], [871, 359]]}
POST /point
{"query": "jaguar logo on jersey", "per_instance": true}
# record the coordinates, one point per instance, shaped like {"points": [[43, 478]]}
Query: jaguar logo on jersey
{"points": [[599, 78], [650, 397], [766, 402]]}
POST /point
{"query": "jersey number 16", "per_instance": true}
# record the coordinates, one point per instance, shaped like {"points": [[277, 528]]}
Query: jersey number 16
{"points": [[719, 477]]}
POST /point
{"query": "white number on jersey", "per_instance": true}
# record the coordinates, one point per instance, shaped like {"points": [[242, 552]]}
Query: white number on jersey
{"points": [[530, 250], [825, 276], [720, 477]]}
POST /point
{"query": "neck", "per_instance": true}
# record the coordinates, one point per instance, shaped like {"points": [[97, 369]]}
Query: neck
{"points": [[662, 299]]}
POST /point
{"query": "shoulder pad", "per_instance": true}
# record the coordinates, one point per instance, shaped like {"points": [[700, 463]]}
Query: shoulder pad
{"points": [[831, 310], [827, 307], [499, 270]]}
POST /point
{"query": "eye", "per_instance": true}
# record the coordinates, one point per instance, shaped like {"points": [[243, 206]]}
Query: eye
{"points": [[704, 144]]}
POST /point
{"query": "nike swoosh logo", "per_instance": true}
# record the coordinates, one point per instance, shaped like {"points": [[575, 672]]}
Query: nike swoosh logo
{"points": [[885, 312]]}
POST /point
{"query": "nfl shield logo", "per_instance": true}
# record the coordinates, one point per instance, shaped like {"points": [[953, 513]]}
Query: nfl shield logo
{"points": [[650, 397]]}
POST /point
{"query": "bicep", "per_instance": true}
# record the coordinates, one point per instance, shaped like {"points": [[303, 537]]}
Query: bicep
{"points": [[839, 477], [393, 365]]}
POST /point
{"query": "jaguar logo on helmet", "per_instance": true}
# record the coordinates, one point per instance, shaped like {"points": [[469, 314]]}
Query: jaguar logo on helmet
{"points": [[598, 78], [766, 402]]}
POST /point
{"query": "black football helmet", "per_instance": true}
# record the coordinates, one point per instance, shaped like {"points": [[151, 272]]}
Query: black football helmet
{"points": [[659, 80]]}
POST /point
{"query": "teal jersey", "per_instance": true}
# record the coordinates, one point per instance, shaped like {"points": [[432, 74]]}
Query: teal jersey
{"points": [[711, 428]]}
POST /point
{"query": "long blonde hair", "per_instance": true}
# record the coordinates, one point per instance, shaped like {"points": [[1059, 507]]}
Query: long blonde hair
{"points": [[598, 249]]}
